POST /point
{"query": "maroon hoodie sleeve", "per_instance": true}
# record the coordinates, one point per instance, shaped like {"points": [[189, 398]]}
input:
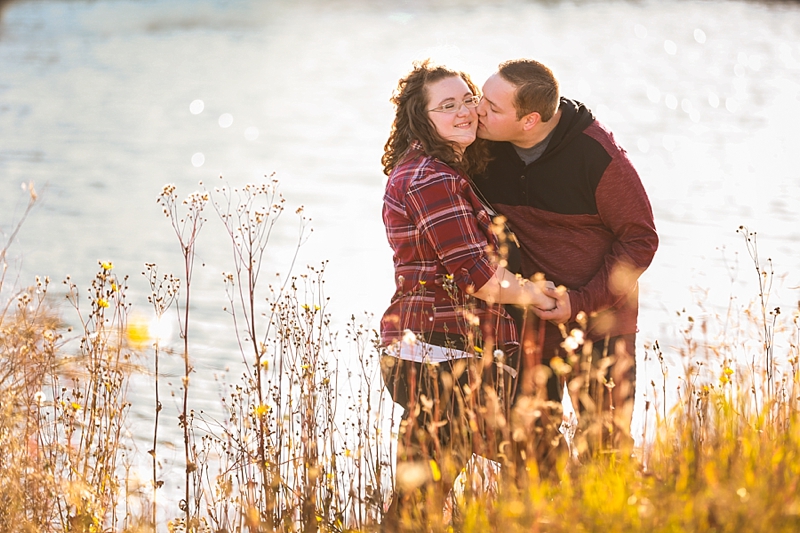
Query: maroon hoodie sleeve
{"points": [[624, 208]]}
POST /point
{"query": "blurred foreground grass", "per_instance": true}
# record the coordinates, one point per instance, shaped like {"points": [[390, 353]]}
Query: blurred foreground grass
{"points": [[295, 453]]}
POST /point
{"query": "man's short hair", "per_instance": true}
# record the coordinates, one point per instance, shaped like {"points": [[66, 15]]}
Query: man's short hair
{"points": [[537, 87]]}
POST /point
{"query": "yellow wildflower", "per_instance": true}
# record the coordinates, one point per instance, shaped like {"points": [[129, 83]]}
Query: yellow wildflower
{"points": [[102, 302], [107, 265], [435, 472]]}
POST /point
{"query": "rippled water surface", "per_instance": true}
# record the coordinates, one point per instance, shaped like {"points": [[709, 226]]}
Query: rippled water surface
{"points": [[95, 109]]}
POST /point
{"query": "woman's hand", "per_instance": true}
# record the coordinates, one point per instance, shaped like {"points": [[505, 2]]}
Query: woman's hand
{"points": [[539, 297], [507, 288]]}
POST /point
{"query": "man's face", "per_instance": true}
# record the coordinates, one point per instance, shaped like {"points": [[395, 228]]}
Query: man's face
{"points": [[497, 116]]}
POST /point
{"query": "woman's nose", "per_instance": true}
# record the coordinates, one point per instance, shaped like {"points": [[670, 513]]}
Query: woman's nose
{"points": [[463, 110]]}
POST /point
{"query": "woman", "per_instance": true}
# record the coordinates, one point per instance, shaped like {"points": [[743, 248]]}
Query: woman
{"points": [[446, 311]]}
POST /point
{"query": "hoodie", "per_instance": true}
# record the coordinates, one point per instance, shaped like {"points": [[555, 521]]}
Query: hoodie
{"points": [[582, 218]]}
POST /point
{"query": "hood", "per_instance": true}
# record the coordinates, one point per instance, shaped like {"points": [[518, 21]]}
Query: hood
{"points": [[575, 117]]}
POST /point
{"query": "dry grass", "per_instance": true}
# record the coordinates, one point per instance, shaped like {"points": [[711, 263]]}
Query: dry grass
{"points": [[304, 445]]}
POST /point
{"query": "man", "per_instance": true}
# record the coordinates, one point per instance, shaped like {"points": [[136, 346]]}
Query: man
{"points": [[583, 219]]}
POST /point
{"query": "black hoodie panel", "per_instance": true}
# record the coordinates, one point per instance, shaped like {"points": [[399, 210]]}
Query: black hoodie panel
{"points": [[563, 184]]}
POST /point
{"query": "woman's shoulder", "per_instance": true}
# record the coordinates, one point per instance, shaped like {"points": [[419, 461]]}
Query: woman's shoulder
{"points": [[418, 168]]}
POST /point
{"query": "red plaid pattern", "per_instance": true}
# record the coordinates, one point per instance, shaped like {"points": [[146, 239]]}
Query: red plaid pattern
{"points": [[440, 234]]}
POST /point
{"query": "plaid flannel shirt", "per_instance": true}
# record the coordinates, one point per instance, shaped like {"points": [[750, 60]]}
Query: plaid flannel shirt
{"points": [[441, 237]]}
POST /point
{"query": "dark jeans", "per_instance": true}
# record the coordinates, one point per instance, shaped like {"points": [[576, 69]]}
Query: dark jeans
{"points": [[541, 342], [605, 410], [437, 411], [452, 409], [429, 394]]}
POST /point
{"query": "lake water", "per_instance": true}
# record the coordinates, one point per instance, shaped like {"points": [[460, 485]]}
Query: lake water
{"points": [[95, 110]]}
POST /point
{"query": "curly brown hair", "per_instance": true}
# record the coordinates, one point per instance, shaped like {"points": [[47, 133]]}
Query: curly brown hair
{"points": [[411, 122]]}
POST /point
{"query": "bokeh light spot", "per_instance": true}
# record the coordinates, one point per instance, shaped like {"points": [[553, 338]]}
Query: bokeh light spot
{"points": [[198, 159], [251, 133], [196, 107], [669, 143], [671, 101], [160, 329], [731, 104], [640, 31], [738, 69], [700, 36], [643, 145], [138, 331], [670, 47], [686, 105], [225, 120], [713, 99]]}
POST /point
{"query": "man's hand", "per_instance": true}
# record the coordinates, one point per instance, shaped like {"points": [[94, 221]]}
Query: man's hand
{"points": [[562, 311]]}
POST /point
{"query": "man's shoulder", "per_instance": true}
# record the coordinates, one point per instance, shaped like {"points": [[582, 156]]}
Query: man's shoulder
{"points": [[603, 136]]}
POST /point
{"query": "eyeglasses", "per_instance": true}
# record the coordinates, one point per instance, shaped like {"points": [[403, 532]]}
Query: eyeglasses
{"points": [[452, 107]]}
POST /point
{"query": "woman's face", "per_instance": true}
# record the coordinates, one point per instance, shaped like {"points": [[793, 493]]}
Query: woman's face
{"points": [[460, 125]]}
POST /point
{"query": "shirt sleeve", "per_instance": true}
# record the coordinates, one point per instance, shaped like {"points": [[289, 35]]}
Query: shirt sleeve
{"points": [[624, 208], [438, 205]]}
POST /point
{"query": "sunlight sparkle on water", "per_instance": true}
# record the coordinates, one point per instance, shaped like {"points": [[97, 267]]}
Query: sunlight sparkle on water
{"points": [[161, 329], [141, 332], [225, 120], [198, 159], [196, 107], [700, 36], [251, 133]]}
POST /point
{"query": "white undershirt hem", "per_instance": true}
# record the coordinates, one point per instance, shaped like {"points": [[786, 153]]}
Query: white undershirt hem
{"points": [[422, 352]]}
